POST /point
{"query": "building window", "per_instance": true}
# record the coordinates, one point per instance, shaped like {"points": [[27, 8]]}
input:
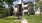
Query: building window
{"points": [[25, 7]]}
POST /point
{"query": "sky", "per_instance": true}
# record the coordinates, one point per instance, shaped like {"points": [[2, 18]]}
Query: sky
{"points": [[29, 0], [5, 4], [18, 2]]}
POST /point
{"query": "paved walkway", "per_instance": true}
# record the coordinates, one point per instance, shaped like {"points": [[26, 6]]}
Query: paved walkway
{"points": [[23, 20]]}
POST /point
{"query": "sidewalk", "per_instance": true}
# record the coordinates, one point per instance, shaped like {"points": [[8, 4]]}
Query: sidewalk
{"points": [[23, 20]]}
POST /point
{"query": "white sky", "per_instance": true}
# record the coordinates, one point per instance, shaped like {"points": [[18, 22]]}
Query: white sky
{"points": [[18, 2], [5, 4]]}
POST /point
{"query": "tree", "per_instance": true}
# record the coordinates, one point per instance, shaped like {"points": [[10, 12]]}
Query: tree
{"points": [[1, 6], [39, 4], [40, 8], [10, 3], [31, 8], [0, 1]]}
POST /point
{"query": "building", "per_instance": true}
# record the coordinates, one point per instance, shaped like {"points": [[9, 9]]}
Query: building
{"points": [[24, 5]]}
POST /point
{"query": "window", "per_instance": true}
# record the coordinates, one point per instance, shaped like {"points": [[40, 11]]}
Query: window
{"points": [[25, 7]]}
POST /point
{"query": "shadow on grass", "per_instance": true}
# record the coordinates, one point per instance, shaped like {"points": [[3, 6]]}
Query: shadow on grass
{"points": [[28, 18], [8, 18]]}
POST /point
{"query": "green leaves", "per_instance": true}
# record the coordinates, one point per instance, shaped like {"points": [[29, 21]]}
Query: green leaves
{"points": [[9, 1], [0, 1], [38, 3], [3, 10], [1, 6]]}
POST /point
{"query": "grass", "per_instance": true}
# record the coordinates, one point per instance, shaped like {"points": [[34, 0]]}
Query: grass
{"points": [[33, 18], [30, 19], [9, 19]]}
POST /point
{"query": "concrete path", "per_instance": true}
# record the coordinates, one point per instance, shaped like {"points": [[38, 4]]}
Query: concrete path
{"points": [[23, 20]]}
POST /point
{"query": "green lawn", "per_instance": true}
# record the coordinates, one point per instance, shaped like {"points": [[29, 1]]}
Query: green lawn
{"points": [[33, 18], [30, 19], [9, 19]]}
